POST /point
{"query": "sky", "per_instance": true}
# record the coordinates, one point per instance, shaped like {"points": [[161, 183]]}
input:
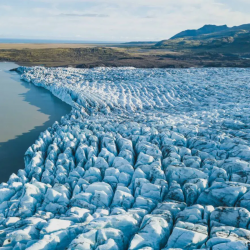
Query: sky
{"points": [[115, 20]]}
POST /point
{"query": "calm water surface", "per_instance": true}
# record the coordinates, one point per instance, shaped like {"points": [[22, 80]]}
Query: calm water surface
{"points": [[25, 112]]}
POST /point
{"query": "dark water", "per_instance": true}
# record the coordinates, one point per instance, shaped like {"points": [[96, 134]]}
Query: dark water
{"points": [[25, 112]]}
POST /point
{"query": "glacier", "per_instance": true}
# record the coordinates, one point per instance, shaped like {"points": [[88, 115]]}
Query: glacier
{"points": [[147, 159]]}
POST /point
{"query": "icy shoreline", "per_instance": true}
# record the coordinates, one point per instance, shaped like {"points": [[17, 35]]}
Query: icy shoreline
{"points": [[147, 159]]}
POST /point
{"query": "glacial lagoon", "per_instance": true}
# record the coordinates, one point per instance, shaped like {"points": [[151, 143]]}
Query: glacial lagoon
{"points": [[25, 112]]}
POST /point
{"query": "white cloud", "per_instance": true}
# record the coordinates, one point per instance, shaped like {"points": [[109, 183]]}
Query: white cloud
{"points": [[117, 19]]}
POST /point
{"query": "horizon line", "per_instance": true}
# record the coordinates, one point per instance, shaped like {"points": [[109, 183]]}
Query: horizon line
{"points": [[44, 40]]}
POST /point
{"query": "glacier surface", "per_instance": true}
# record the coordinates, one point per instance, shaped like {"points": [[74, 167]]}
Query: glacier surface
{"points": [[147, 159]]}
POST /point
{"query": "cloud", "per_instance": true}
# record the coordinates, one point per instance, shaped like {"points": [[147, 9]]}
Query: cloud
{"points": [[150, 16], [83, 15], [116, 20]]}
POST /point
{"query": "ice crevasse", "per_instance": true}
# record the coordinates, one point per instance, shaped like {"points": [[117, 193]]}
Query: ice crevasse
{"points": [[147, 159]]}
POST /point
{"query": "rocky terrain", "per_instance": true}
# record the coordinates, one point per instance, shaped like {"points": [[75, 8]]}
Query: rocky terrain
{"points": [[147, 159], [211, 38], [124, 56]]}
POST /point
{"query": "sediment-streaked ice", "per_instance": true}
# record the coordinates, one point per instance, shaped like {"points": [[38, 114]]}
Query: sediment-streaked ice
{"points": [[147, 159]]}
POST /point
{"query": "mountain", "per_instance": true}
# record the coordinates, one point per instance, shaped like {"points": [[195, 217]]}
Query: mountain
{"points": [[206, 29], [211, 37]]}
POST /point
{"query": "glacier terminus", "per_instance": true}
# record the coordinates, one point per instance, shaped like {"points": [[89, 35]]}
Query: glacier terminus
{"points": [[147, 159]]}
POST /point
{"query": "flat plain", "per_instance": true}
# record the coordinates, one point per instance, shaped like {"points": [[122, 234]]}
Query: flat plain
{"points": [[116, 55]]}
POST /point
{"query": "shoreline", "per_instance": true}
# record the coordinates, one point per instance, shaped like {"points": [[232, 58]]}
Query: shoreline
{"points": [[198, 67], [43, 110], [125, 66]]}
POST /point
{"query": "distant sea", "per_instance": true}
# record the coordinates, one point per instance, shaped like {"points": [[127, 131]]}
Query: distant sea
{"points": [[13, 40]]}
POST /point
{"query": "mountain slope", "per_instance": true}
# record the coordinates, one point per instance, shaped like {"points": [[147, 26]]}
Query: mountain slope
{"points": [[206, 29], [211, 37]]}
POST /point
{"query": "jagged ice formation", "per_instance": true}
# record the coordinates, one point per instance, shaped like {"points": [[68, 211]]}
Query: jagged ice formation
{"points": [[147, 159]]}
